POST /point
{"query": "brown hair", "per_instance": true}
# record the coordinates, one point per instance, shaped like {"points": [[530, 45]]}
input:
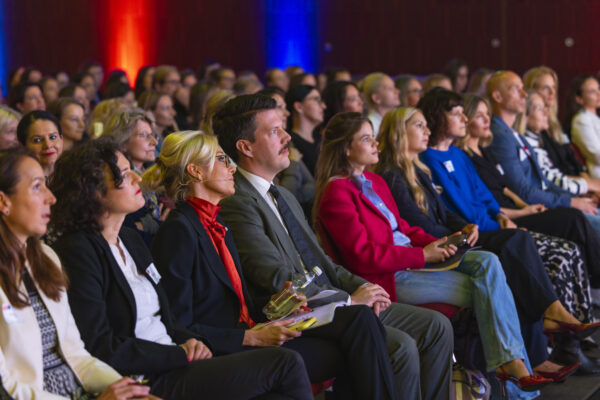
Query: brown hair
{"points": [[337, 138], [13, 255]]}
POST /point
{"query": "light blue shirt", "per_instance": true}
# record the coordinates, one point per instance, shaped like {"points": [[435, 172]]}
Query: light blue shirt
{"points": [[366, 187]]}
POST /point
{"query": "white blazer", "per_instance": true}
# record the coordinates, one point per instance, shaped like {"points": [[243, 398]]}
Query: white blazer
{"points": [[21, 365], [585, 133]]}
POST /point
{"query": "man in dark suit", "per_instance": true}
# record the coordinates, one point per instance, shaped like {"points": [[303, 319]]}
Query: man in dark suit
{"points": [[275, 242]]}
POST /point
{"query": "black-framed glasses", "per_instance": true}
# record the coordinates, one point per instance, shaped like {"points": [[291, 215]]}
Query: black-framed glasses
{"points": [[225, 159]]}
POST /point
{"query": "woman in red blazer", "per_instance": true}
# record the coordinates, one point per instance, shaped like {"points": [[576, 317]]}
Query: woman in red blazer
{"points": [[356, 210]]}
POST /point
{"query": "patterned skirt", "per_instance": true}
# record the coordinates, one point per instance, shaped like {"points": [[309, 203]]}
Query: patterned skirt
{"points": [[566, 269]]}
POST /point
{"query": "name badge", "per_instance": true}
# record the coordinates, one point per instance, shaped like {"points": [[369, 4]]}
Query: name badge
{"points": [[449, 166], [522, 155], [499, 168], [9, 313], [153, 273]]}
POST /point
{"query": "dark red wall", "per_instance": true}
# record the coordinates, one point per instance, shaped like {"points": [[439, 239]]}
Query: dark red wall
{"points": [[389, 35]]}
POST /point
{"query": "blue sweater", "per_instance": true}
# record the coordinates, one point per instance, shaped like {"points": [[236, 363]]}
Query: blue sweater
{"points": [[463, 191]]}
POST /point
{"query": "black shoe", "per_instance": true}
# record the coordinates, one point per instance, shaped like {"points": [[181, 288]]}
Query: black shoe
{"points": [[567, 350]]}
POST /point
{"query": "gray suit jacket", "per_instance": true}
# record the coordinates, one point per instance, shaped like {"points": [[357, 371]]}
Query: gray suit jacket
{"points": [[267, 253]]}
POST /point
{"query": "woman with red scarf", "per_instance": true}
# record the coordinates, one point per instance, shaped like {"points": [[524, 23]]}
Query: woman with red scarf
{"points": [[201, 273]]}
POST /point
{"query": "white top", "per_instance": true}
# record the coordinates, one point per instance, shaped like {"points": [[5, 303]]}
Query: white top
{"points": [[585, 134], [21, 364], [148, 325], [375, 119], [262, 186]]}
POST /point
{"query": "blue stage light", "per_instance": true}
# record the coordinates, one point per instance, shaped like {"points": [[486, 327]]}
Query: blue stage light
{"points": [[292, 34]]}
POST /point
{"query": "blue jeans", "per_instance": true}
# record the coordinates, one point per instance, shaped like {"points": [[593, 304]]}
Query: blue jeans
{"points": [[478, 282]]}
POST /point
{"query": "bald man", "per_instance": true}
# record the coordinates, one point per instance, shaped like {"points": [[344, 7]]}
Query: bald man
{"points": [[524, 176]]}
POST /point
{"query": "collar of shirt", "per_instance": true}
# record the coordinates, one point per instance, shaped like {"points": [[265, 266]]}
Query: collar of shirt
{"points": [[262, 187]]}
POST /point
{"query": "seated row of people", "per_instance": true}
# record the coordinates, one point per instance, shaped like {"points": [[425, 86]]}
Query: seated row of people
{"points": [[110, 268]]}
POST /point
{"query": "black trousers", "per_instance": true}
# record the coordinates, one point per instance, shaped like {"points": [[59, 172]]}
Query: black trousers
{"points": [[535, 342], [352, 349], [269, 373], [571, 224], [524, 270]]}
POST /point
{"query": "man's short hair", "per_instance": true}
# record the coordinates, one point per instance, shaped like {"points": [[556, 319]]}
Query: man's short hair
{"points": [[236, 120]]}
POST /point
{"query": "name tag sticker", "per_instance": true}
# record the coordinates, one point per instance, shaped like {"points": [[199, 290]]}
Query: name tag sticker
{"points": [[522, 155], [449, 166], [9, 313], [153, 273]]}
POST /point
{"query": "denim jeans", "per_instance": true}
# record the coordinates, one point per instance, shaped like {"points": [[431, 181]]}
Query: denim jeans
{"points": [[478, 282]]}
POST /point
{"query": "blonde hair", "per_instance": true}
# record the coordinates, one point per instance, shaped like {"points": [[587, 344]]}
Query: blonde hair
{"points": [[520, 124], [122, 124], [179, 149], [530, 81], [214, 104], [101, 114], [8, 115], [371, 85], [393, 151], [470, 104]]}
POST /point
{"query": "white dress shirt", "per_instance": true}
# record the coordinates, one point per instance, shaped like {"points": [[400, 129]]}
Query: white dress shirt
{"points": [[262, 186], [585, 134], [148, 324]]}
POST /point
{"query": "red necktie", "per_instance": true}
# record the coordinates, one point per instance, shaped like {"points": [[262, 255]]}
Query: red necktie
{"points": [[207, 213]]}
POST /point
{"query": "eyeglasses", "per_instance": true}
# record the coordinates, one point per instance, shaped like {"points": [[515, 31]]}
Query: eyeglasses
{"points": [[224, 158]]}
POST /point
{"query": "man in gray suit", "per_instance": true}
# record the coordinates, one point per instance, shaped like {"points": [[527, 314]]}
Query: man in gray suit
{"points": [[275, 242]]}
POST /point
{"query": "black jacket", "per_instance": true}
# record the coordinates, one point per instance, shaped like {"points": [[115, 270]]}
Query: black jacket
{"points": [[104, 306], [197, 285]]}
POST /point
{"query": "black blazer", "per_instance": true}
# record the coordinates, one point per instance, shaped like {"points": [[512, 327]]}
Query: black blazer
{"points": [[104, 306], [196, 282], [439, 221]]}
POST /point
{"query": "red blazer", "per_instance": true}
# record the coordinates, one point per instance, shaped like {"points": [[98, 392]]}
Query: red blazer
{"points": [[363, 236]]}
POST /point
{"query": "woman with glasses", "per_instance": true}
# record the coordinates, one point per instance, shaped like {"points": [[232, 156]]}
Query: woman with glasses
{"points": [[306, 113], [410, 89], [200, 267], [132, 131]]}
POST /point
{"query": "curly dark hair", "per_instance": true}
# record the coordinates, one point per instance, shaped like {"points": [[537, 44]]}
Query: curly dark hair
{"points": [[433, 105], [79, 184]]}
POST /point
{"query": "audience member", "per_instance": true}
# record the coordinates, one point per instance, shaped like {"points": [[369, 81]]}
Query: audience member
{"points": [[40, 132], [71, 116], [26, 97], [41, 350], [249, 130], [223, 77], [583, 101], [49, 89], [341, 96], [436, 80], [160, 107], [386, 250], [410, 90], [306, 110], [380, 95], [165, 80], [121, 91], [214, 103], [458, 72], [9, 120], [102, 113], [522, 172], [117, 299], [78, 93], [303, 79], [276, 77], [479, 80], [144, 79], [199, 95], [197, 258]]}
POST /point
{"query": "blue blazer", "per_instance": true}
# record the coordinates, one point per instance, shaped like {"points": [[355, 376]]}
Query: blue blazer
{"points": [[522, 172]]}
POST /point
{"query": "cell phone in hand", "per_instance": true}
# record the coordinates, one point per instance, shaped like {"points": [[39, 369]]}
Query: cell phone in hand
{"points": [[458, 240]]}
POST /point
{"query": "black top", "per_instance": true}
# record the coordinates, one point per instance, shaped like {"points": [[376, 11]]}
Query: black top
{"points": [[439, 221], [491, 174], [200, 292], [104, 308], [561, 155], [310, 151]]}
